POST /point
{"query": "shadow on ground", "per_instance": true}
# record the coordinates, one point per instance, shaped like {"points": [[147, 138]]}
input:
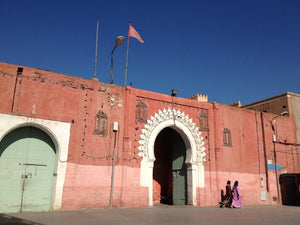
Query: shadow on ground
{"points": [[10, 220]]}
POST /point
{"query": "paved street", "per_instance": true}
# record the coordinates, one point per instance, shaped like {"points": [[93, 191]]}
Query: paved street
{"points": [[161, 215]]}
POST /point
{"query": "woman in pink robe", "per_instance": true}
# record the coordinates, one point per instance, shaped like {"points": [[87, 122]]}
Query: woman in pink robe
{"points": [[236, 196]]}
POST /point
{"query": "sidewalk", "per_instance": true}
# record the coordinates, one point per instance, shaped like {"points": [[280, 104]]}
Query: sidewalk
{"points": [[161, 215]]}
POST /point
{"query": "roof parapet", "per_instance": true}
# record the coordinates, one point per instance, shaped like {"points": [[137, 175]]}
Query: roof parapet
{"points": [[199, 98], [236, 104]]}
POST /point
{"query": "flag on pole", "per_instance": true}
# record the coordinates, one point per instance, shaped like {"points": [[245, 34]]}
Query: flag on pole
{"points": [[133, 33]]}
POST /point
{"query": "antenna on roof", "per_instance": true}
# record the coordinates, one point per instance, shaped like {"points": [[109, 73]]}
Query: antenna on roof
{"points": [[95, 73]]}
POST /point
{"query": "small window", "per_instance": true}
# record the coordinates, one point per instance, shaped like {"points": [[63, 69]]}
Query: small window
{"points": [[141, 112], [203, 119], [100, 124], [227, 138]]}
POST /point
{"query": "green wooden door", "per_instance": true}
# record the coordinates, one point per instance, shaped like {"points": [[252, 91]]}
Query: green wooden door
{"points": [[26, 170], [179, 172]]}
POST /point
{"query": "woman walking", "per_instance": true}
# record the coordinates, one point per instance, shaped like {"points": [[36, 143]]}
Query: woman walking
{"points": [[227, 198], [236, 196]]}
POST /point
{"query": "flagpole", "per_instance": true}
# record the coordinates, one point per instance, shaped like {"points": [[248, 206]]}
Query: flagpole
{"points": [[127, 54], [96, 51]]}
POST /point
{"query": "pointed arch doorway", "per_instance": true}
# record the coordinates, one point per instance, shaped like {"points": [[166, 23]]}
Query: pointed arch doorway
{"points": [[195, 150], [169, 171]]}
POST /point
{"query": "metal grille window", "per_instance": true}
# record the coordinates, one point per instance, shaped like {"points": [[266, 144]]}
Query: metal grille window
{"points": [[100, 124], [227, 137], [203, 119], [141, 112]]}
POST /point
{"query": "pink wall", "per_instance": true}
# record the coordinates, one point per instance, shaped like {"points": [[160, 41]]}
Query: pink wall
{"points": [[53, 96]]}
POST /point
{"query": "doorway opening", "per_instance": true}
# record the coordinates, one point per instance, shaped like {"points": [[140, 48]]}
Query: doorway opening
{"points": [[170, 171]]}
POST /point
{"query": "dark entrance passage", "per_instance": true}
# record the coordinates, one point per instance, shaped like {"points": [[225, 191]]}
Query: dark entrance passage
{"points": [[169, 172], [290, 188]]}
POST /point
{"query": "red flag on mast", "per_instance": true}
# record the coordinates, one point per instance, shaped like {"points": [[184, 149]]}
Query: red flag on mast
{"points": [[133, 33]]}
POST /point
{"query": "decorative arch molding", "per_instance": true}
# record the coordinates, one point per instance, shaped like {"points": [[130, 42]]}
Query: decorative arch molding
{"points": [[195, 150], [59, 132]]}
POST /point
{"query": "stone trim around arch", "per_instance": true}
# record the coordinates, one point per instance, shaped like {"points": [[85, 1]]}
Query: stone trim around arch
{"points": [[59, 132], [195, 155]]}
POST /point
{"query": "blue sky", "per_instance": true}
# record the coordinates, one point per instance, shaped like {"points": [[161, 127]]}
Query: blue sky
{"points": [[230, 50]]}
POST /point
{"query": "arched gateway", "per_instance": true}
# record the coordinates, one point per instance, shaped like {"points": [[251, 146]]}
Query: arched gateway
{"points": [[193, 141], [27, 162], [33, 161]]}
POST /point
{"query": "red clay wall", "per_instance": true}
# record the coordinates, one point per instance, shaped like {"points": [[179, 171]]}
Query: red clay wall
{"points": [[53, 96], [245, 161]]}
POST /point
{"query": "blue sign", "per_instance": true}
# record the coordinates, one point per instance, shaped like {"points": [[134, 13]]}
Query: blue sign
{"points": [[272, 167]]}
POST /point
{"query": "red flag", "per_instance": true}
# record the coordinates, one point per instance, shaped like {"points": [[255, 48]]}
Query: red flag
{"points": [[133, 33]]}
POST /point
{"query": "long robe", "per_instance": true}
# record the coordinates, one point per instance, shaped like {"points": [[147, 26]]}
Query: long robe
{"points": [[236, 197]]}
